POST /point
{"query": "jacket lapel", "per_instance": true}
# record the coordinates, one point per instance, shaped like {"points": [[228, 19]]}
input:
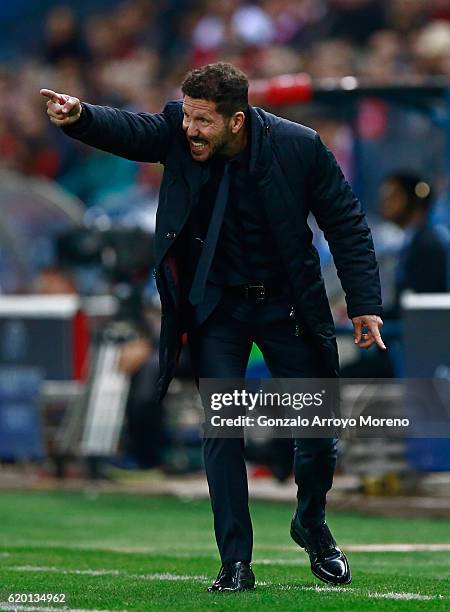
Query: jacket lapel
{"points": [[193, 173]]}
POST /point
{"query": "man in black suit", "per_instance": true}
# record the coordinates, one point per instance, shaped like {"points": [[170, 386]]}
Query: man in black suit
{"points": [[235, 265]]}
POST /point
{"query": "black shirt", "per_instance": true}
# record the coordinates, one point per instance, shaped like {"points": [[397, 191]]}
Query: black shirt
{"points": [[245, 250]]}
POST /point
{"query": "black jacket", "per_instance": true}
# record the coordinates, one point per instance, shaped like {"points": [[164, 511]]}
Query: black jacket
{"points": [[295, 174]]}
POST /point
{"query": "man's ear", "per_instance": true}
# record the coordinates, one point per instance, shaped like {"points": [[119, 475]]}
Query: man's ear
{"points": [[237, 121]]}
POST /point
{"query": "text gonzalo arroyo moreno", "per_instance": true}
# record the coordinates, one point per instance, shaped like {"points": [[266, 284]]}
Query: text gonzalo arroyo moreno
{"points": [[297, 401]]}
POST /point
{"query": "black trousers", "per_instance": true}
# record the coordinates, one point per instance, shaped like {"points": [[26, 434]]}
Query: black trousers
{"points": [[220, 348]]}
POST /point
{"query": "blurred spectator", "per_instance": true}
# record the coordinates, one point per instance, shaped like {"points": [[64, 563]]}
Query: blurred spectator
{"points": [[54, 281], [62, 40], [353, 20], [406, 16], [252, 25], [292, 18], [421, 262], [384, 61], [405, 200], [432, 47], [210, 33], [330, 59]]}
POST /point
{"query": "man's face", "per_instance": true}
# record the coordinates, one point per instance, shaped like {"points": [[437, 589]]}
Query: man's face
{"points": [[393, 202], [207, 131]]}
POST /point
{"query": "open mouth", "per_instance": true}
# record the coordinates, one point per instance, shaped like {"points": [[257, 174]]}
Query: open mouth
{"points": [[198, 145]]}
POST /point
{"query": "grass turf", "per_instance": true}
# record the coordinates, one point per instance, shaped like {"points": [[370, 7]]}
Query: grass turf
{"points": [[130, 552]]}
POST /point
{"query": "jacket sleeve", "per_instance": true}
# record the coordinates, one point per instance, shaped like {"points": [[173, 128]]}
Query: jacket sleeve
{"points": [[143, 137], [340, 216]]}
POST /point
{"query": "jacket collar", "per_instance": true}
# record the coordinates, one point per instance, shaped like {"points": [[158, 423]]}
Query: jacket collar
{"points": [[260, 150]]}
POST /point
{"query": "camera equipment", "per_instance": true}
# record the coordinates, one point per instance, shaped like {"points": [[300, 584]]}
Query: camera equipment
{"points": [[123, 253]]}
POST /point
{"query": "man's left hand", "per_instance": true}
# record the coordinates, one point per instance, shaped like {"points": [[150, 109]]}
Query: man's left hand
{"points": [[367, 331]]}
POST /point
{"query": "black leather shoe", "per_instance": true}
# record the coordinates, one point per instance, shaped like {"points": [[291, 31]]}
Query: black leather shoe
{"points": [[328, 562], [234, 577]]}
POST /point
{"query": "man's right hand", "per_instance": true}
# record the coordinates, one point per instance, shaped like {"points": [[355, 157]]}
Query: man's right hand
{"points": [[62, 109]]}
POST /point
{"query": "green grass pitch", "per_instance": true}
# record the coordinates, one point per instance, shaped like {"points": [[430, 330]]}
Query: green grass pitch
{"points": [[132, 552]]}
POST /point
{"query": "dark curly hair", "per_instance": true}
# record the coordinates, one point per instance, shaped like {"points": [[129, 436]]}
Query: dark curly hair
{"points": [[221, 83]]}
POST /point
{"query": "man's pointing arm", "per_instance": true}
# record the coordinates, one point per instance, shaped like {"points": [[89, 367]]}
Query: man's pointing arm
{"points": [[135, 136]]}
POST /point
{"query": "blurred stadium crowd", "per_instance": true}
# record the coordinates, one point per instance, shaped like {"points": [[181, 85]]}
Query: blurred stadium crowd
{"points": [[132, 54]]}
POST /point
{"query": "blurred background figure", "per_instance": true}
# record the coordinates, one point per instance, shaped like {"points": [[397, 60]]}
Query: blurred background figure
{"points": [[55, 281], [421, 259], [62, 38], [405, 200]]}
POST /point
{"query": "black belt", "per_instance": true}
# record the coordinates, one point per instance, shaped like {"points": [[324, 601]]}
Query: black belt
{"points": [[257, 292]]}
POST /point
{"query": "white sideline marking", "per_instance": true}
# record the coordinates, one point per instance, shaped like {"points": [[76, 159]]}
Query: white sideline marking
{"points": [[407, 596], [57, 570], [352, 590], [181, 577], [316, 588], [397, 547]]}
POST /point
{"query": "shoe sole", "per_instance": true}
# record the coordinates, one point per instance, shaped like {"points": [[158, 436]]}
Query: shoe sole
{"points": [[348, 581], [299, 540]]}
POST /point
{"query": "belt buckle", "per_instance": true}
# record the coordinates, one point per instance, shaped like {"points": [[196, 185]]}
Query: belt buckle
{"points": [[258, 292]]}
